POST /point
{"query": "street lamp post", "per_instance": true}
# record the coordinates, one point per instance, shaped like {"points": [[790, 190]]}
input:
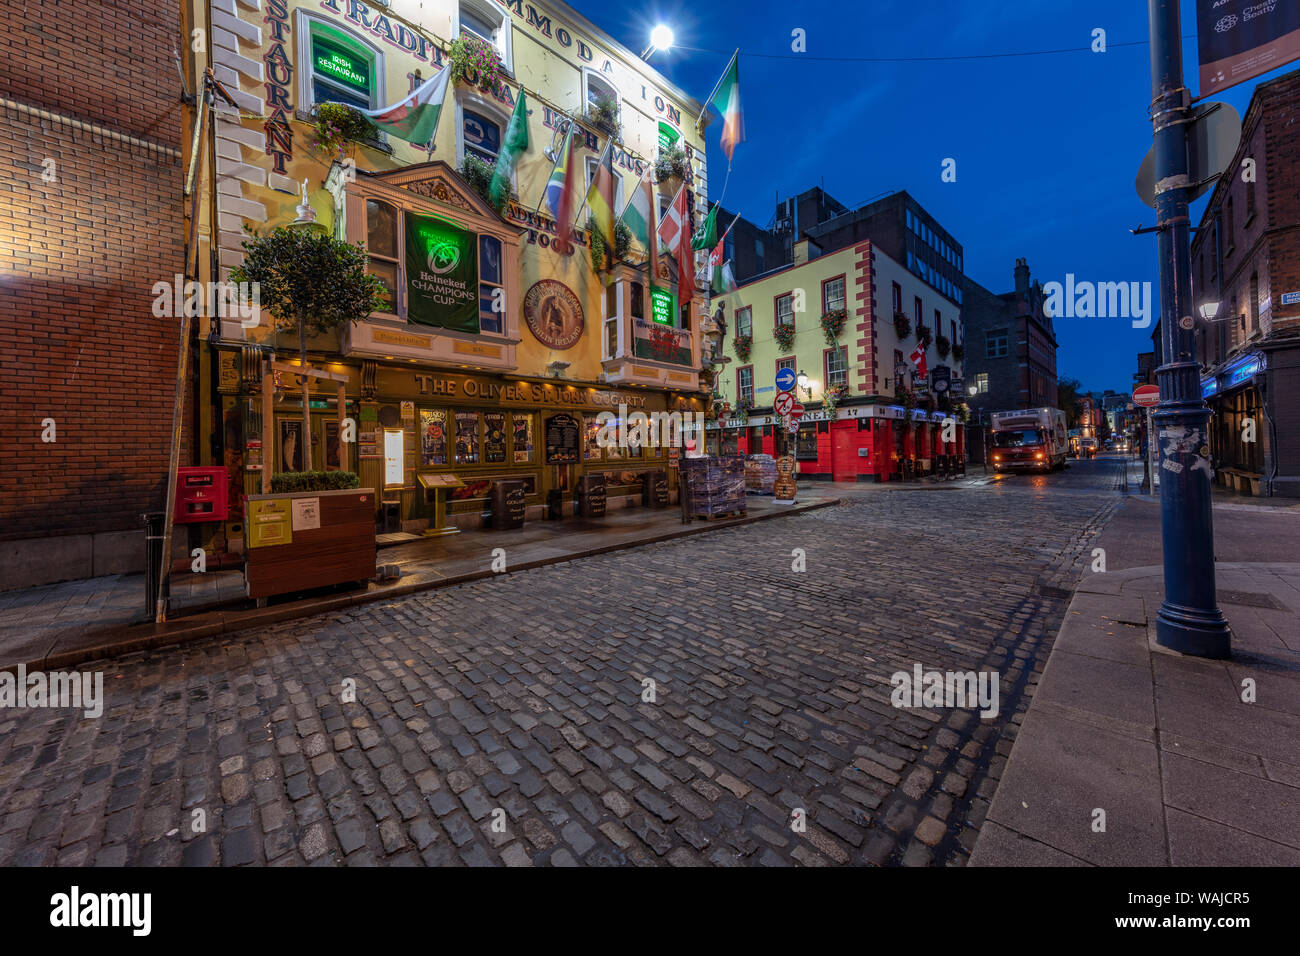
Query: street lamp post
{"points": [[1189, 620]]}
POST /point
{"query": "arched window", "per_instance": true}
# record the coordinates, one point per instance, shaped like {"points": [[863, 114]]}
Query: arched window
{"points": [[341, 67]]}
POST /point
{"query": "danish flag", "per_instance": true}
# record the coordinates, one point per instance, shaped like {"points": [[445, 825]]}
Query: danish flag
{"points": [[674, 232], [918, 359]]}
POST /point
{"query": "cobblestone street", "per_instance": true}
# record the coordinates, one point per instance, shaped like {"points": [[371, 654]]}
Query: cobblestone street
{"points": [[502, 722]]}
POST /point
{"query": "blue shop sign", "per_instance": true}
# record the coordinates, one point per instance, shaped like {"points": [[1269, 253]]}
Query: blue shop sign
{"points": [[1210, 387], [1242, 372]]}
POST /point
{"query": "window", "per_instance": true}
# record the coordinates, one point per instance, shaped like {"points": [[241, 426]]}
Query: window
{"points": [[745, 322], [684, 316], [381, 244], [1250, 200], [489, 22], [637, 307], [833, 294], [599, 89], [745, 383], [785, 363], [982, 382], [343, 70], [837, 366], [491, 286], [482, 135], [997, 346], [467, 437], [1232, 242], [898, 298], [918, 310], [593, 164], [806, 444], [938, 323], [785, 310]]}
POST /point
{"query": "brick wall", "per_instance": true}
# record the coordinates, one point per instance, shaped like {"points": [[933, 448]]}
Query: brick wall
{"points": [[83, 250]]}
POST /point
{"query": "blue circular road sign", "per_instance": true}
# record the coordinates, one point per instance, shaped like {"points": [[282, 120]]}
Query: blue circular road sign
{"points": [[785, 379]]}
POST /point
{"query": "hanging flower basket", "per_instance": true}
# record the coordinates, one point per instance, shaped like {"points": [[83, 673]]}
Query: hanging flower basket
{"points": [[942, 346], [743, 344], [833, 396], [902, 325], [337, 125], [958, 352], [784, 338], [924, 336], [833, 324], [476, 62]]}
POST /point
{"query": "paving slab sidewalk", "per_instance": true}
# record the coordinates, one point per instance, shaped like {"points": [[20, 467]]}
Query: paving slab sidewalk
{"points": [[1162, 748], [61, 625]]}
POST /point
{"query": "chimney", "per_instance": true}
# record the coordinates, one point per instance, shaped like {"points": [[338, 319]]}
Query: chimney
{"points": [[1022, 279]]}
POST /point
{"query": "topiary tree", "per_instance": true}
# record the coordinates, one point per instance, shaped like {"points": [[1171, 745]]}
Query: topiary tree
{"points": [[308, 280]]}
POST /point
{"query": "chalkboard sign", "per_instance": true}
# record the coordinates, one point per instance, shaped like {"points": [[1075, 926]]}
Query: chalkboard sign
{"points": [[654, 489], [508, 504], [591, 496], [563, 433]]}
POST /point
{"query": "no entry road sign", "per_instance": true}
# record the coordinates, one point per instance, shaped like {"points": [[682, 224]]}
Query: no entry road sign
{"points": [[796, 412], [1146, 395]]}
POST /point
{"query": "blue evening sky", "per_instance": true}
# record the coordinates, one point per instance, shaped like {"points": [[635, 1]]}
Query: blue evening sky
{"points": [[1047, 147]]}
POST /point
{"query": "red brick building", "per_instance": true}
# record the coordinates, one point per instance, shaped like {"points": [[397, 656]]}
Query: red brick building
{"points": [[1246, 257], [91, 120]]}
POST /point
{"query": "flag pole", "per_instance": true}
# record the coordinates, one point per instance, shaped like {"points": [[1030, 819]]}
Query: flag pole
{"points": [[560, 152], [709, 98], [607, 148]]}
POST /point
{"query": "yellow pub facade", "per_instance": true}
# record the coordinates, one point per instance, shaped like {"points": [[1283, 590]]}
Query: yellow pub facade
{"points": [[473, 397]]}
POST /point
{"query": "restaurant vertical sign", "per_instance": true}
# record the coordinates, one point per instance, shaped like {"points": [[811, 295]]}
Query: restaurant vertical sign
{"points": [[1240, 39], [441, 274]]}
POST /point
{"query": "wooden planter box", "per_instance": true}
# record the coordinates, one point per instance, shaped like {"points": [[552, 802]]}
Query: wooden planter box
{"points": [[309, 539]]}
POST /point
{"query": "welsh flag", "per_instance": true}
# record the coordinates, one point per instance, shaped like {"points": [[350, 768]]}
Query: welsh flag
{"points": [[414, 118], [727, 100], [918, 359]]}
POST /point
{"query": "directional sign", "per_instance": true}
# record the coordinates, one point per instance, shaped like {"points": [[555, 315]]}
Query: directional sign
{"points": [[783, 402], [796, 412], [785, 379], [1146, 395]]}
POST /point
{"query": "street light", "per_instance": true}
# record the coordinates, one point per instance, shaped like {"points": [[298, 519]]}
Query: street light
{"points": [[661, 38], [1209, 310]]}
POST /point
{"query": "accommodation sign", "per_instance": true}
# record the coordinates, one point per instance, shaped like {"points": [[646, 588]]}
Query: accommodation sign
{"points": [[442, 274]]}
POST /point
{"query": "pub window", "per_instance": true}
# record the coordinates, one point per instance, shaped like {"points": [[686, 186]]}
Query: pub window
{"points": [[488, 21], [522, 438], [918, 310], [494, 438], [745, 384], [745, 322], [343, 70], [898, 298], [837, 366], [637, 306], [482, 136], [997, 344], [785, 310], [433, 437], [381, 246], [611, 337], [806, 445], [833, 295], [684, 316], [591, 446], [982, 382], [611, 300], [467, 437], [599, 89], [491, 285]]}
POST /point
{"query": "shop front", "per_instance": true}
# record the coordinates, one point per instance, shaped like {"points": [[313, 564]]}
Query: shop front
{"points": [[850, 443], [1237, 433]]}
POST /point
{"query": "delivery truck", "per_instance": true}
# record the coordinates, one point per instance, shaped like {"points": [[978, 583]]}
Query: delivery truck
{"points": [[1032, 439]]}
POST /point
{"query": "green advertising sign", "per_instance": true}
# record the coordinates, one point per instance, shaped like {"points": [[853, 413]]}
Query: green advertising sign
{"points": [[442, 274], [661, 306], [339, 65]]}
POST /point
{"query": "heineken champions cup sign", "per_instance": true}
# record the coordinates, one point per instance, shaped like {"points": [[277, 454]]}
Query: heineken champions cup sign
{"points": [[441, 274]]}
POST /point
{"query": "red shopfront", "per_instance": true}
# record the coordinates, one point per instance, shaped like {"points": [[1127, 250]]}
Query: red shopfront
{"points": [[862, 443]]}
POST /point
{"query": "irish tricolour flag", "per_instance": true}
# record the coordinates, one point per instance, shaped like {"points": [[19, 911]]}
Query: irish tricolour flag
{"points": [[414, 118], [727, 100]]}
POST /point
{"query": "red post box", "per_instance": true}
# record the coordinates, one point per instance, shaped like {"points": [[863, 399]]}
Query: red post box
{"points": [[201, 495]]}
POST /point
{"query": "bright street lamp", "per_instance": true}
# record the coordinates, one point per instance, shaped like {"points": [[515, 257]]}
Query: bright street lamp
{"points": [[1209, 310], [661, 38]]}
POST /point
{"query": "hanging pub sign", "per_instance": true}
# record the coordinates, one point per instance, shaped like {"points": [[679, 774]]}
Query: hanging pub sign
{"points": [[1240, 39], [442, 274], [940, 378]]}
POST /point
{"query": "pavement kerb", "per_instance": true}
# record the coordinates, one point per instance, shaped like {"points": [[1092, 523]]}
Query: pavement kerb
{"points": [[141, 637]]}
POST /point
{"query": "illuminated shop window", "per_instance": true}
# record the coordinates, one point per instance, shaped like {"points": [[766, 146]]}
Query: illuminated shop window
{"points": [[342, 70]]}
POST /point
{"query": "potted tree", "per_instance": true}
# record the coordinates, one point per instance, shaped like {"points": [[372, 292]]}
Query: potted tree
{"points": [[308, 281]]}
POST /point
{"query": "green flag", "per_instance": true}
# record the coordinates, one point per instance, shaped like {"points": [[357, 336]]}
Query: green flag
{"points": [[516, 142], [707, 235]]}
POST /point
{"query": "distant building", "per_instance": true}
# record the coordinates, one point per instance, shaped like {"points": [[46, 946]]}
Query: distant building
{"points": [[1010, 357], [1246, 257]]}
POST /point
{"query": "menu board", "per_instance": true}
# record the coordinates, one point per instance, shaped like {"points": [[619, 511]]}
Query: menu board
{"points": [[562, 433]]}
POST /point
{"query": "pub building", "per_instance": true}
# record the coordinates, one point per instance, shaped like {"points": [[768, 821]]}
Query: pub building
{"points": [[495, 351]]}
